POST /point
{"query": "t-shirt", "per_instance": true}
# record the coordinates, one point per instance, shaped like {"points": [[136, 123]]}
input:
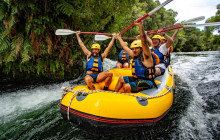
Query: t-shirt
{"points": [[163, 49]]}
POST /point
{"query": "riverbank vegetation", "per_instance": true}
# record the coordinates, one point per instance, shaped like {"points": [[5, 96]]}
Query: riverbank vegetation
{"points": [[29, 49]]}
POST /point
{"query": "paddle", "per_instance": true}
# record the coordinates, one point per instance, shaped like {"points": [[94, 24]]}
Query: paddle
{"points": [[186, 26], [193, 20], [150, 13], [69, 32], [205, 24], [183, 22], [103, 37]]}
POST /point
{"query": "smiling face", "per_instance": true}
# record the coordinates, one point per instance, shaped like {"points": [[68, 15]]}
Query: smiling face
{"points": [[162, 41], [156, 42], [95, 52], [136, 51]]}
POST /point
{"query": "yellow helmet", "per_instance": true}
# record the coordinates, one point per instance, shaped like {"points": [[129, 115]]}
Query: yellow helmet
{"points": [[136, 43], [162, 38], [156, 36], [126, 43], [95, 46]]}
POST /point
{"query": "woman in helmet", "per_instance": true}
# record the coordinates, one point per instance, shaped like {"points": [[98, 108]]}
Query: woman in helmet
{"points": [[143, 69], [123, 58], [94, 64], [161, 50], [170, 50]]}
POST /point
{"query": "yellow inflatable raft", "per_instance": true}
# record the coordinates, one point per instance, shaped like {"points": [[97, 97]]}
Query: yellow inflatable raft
{"points": [[100, 110]]}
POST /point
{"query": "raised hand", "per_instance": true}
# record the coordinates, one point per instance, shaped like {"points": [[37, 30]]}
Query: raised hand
{"points": [[177, 24], [160, 32], [114, 35], [137, 23], [78, 32], [118, 36], [138, 37]]}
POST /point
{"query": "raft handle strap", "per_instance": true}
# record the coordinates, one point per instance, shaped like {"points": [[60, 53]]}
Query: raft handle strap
{"points": [[75, 94]]}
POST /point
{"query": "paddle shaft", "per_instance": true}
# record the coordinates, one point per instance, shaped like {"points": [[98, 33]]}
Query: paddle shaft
{"points": [[150, 13], [133, 24], [166, 30], [95, 33]]}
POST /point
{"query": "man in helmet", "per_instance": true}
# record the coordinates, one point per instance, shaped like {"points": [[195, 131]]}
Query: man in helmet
{"points": [[123, 58], [94, 64], [161, 50], [143, 69]]}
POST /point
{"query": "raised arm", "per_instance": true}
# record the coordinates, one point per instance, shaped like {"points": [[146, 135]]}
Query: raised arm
{"points": [[168, 38], [143, 38], [148, 39], [105, 53], [175, 33], [85, 50], [125, 47]]}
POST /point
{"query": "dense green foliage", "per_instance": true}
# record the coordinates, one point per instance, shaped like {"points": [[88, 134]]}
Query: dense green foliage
{"points": [[29, 47], [213, 41]]}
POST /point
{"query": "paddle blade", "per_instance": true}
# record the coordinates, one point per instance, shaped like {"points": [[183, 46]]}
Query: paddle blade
{"points": [[159, 7], [205, 24], [64, 32], [101, 37], [194, 20]]}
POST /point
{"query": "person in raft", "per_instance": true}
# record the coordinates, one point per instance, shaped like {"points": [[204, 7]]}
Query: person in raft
{"points": [[94, 64], [143, 70], [123, 58], [160, 50], [170, 50]]}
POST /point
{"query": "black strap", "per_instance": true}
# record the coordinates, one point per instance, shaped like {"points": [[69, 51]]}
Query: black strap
{"points": [[117, 48]]}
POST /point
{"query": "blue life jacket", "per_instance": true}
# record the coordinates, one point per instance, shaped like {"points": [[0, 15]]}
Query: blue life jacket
{"points": [[140, 71], [159, 54], [123, 56], [94, 64]]}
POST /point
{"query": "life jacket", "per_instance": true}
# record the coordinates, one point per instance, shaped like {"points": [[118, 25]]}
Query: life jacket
{"points": [[170, 50], [123, 56], [131, 60], [168, 56], [140, 71], [155, 57], [159, 54], [94, 64]]}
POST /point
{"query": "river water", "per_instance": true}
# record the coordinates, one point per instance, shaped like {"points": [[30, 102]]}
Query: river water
{"points": [[33, 112]]}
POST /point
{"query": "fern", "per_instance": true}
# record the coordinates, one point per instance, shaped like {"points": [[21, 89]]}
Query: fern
{"points": [[15, 48], [25, 51], [4, 44], [65, 7], [39, 66], [11, 22], [52, 67], [3, 9]]}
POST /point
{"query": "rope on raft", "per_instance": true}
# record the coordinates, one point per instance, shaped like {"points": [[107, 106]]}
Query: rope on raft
{"points": [[81, 92]]}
